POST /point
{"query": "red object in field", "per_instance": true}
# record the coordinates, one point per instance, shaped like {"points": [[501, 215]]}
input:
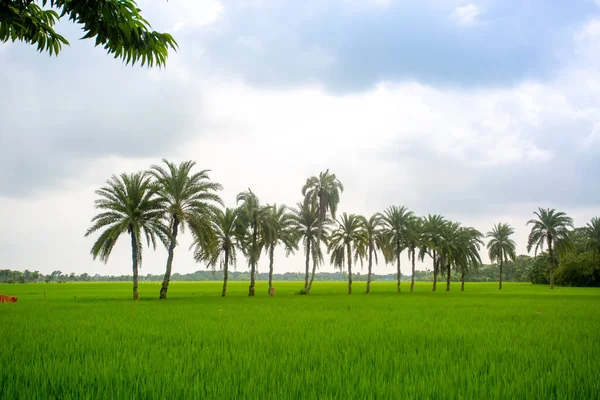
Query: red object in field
{"points": [[7, 299], [272, 291]]}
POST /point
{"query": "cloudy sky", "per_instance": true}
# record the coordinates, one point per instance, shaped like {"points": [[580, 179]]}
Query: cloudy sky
{"points": [[481, 110]]}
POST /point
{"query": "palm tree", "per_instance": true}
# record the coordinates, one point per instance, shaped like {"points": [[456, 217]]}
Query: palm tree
{"points": [[306, 224], [550, 228], [433, 228], [254, 226], [346, 242], [395, 220], [324, 194], [227, 244], [501, 247], [449, 249], [467, 257], [592, 233], [128, 203], [281, 231], [375, 235], [191, 199], [413, 236]]}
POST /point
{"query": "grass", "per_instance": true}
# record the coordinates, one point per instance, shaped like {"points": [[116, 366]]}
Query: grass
{"points": [[525, 342]]}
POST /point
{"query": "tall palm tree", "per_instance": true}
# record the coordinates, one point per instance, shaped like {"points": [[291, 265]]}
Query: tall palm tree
{"points": [[414, 239], [433, 228], [375, 235], [449, 249], [306, 224], [128, 204], [323, 192], [254, 226], [191, 199], [501, 247], [228, 243], [550, 228], [467, 257], [348, 241], [592, 234], [281, 231], [395, 220]]}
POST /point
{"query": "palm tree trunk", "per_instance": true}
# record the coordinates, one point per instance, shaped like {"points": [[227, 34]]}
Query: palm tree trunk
{"points": [[552, 262], [225, 273], [370, 267], [349, 269], [307, 265], [448, 278], [398, 273], [167, 278], [312, 277], [271, 250], [462, 281], [435, 271], [500, 283], [253, 260], [412, 279], [134, 259]]}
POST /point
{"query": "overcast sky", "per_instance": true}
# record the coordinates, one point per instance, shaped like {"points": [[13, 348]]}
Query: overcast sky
{"points": [[481, 111]]}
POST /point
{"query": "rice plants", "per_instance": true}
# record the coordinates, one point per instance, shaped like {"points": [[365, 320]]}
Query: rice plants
{"points": [[91, 341]]}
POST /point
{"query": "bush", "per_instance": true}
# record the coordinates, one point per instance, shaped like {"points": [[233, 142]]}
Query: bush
{"points": [[579, 270], [538, 274]]}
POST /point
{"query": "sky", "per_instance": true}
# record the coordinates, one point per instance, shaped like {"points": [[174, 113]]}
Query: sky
{"points": [[479, 110]]}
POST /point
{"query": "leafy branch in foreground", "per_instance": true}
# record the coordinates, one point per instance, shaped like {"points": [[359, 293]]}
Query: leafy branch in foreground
{"points": [[117, 25]]}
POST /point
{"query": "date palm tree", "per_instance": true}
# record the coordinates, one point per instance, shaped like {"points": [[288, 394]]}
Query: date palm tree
{"points": [[323, 192], [128, 204], [449, 250], [253, 226], [281, 231], [433, 229], [592, 234], [347, 242], [501, 247], [550, 228], [228, 243], [306, 224], [414, 240], [375, 236], [191, 199], [395, 221], [467, 257]]}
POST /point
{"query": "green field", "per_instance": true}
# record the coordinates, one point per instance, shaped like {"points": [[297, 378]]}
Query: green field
{"points": [[526, 342]]}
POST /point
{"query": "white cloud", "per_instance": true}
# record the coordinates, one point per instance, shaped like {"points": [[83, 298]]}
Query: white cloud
{"points": [[467, 14]]}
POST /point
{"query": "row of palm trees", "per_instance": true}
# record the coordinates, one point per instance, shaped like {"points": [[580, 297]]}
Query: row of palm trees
{"points": [[156, 205]]}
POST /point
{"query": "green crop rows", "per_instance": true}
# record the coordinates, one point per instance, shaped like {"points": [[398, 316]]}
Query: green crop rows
{"points": [[90, 341]]}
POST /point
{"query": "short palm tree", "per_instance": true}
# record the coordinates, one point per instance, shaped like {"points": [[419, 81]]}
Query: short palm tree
{"points": [[347, 242], [467, 257], [323, 192], [281, 231], [228, 243], [433, 228], [253, 226], [501, 247], [395, 221], [592, 234], [306, 224], [550, 228], [414, 238], [128, 204], [375, 235], [191, 199]]}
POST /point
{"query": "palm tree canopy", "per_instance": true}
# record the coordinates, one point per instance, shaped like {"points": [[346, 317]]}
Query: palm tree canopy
{"points": [[225, 226], [376, 238], [350, 232], [395, 221], [129, 204], [592, 233], [323, 192], [281, 229], [305, 220], [253, 224], [501, 247], [190, 197], [551, 227]]}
